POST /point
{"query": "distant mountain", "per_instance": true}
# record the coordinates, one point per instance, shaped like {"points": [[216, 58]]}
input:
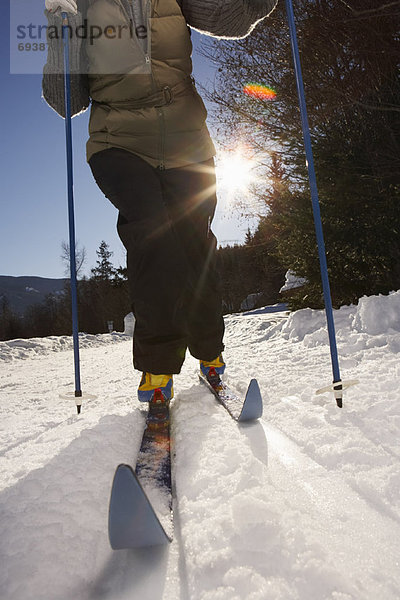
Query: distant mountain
{"points": [[22, 292]]}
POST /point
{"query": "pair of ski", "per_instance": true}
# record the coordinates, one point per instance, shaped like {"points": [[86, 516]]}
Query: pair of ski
{"points": [[140, 512]]}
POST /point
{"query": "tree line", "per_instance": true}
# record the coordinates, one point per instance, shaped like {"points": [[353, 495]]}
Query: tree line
{"points": [[350, 53], [102, 297]]}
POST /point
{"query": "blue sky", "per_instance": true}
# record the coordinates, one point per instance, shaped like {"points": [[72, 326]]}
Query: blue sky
{"points": [[34, 219]]}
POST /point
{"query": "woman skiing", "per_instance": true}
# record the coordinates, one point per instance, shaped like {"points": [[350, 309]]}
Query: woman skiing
{"points": [[152, 156]]}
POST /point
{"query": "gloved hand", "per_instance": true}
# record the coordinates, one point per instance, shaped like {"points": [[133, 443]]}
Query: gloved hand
{"points": [[68, 6]]}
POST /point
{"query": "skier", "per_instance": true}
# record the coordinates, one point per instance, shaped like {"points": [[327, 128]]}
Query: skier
{"points": [[151, 154]]}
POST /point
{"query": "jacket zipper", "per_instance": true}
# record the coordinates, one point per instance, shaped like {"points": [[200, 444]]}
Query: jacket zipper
{"points": [[131, 22], [160, 113], [161, 117], [156, 86]]}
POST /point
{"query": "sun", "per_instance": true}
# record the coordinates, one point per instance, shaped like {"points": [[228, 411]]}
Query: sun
{"points": [[235, 172]]}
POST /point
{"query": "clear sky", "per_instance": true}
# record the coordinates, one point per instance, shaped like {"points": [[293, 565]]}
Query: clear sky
{"points": [[34, 219]]}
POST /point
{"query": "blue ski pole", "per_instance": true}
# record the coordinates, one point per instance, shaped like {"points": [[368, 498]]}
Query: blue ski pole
{"points": [[71, 217], [337, 383]]}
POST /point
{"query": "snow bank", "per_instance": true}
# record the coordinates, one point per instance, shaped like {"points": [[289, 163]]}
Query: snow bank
{"points": [[378, 314], [36, 347], [373, 317]]}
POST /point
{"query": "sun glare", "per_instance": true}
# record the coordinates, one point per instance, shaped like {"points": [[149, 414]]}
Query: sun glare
{"points": [[235, 172]]}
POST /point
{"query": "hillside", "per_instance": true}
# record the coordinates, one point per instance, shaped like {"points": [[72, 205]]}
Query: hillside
{"points": [[22, 292]]}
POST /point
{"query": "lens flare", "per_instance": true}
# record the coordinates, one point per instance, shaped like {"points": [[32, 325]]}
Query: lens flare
{"points": [[259, 91], [235, 172]]}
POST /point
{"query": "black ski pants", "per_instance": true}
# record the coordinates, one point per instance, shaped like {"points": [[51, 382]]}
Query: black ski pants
{"points": [[164, 223]]}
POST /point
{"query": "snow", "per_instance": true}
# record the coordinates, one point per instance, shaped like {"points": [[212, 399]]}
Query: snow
{"points": [[292, 281], [303, 505], [250, 301], [129, 324], [38, 347]]}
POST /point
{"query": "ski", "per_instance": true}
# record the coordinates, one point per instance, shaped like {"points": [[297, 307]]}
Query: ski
{"points": [[140, 512], [249, 409]]}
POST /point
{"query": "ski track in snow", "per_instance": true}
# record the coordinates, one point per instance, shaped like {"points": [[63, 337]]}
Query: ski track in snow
{"points": [[303, 505]]}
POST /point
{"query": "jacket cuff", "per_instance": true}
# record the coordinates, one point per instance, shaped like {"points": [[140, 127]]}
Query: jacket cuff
{"points": [[53, 71], [55, 56]]}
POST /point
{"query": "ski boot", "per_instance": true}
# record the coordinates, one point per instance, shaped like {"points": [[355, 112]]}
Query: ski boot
{"points": [[157, 390], [212, 371]]}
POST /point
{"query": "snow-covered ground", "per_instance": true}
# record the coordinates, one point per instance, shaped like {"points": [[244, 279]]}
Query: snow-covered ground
{"points": [[303, 505]]}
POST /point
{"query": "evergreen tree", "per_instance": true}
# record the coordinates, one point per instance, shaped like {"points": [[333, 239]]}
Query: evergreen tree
{"points": [[107, 292], [11, 326], [349, 53], [104, 270]]}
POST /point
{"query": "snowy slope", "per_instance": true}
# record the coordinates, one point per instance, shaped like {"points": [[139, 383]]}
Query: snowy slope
{"points": [[303, 505]]}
